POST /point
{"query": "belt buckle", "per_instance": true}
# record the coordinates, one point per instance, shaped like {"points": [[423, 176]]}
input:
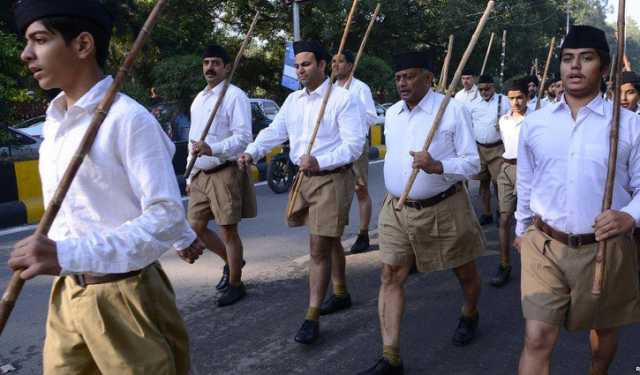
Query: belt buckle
{"points": [[574, 241], [80, 280]]}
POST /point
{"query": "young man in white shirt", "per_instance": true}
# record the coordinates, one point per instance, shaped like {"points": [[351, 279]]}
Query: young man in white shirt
{"points": [[436, 229], [217, 189], [469, 93], [343, 65], [518, 95], [326, 190], [112, 308], [630, 92], [485, 114], [563, 156]]}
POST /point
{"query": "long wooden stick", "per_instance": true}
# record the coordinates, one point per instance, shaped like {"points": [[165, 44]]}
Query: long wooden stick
{"points": [[365, 38], [598, 277], [445, 66], [486, 56], [503, 55], [552, 45], [323, 107], [447, 98], [225, 87], [12, 292]]}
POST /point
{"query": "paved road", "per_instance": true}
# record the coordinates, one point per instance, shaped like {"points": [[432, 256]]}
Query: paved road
{"points": [[255, 336]]}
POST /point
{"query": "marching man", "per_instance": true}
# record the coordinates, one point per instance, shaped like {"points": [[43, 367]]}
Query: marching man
{"points": [[112, 309], [562, 167]]}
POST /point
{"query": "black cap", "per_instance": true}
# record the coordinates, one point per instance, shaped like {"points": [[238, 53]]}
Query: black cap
{"points": [[311, 46], [216, 51], [408, 60], [29, 11], [348, 55], [485, 78], [630, 77], [583, 36], [469, 72], [534, 79], [554, 77]]}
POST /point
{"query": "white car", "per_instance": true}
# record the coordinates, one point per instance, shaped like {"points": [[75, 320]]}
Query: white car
{"points": [[268, 106]]}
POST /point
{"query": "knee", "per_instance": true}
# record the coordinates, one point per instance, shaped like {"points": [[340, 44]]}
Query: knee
{"points": [[318, 256], [361, 192], [229, 233], [468, 274], [392, 276], [539, 340]]}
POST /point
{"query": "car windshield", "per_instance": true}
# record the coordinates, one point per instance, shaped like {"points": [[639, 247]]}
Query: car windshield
{"points": [[270, 109]]}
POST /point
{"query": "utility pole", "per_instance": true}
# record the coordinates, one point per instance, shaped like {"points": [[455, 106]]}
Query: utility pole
{"points": [[296, 21]]}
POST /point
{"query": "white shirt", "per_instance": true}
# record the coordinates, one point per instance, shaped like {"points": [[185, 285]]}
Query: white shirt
{"points": [[468, 96], [406, 130], [123, 209], [230, 132], [362, 92], [339, 140], [562, 166], [532, 104], [510, 132], [484, 117]]}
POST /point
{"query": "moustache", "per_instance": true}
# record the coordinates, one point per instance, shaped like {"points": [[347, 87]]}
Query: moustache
{"points": [[210, 72]]}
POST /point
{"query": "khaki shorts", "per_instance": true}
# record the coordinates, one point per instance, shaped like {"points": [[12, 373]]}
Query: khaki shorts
{"points": [[225, 196], [507, 196], [323, 203], [490, 162], [131, 326], [361, 167], [557, 279], [444, 236]]}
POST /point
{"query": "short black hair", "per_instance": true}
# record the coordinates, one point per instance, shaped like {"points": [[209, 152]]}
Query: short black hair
{"points": [[518, 85], [70, 27]]}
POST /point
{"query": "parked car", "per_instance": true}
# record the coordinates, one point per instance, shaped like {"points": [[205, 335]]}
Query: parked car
{"points": [[259, 119], [268, 107], [18, 145], [32, 127]]}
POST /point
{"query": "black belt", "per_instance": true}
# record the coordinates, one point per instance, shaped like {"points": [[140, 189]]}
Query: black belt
{"points": [[424, 203], [572, 240], [511, 161], [330, 171], [490, 145], [220, 167], [84, 279]]}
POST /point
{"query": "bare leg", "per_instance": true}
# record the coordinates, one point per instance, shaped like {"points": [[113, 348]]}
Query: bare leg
{"points": [[391, 302], [604, 344], [234, 249], [364, 204], [485, 196], [539, 340], [210, 239], [320, 249], [504, 232], [338, 263], [469, 279]]}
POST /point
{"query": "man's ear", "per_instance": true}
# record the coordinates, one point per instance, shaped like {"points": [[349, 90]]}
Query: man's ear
{"points": [[227, 68], [84, 45], [322, 64]]}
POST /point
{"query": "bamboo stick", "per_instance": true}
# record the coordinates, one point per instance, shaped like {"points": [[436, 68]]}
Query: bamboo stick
{"points": [[552, 45], [486, 56], [445, 66], [598, 277]]}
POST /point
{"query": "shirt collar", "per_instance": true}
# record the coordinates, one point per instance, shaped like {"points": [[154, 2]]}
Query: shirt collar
{"points": [[215, 90], [426, 104], [319, 91], [86, 103], [596, 105]]}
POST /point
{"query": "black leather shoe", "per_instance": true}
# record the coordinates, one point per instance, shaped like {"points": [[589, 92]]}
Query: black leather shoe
{"points": [[466, 330], [224, 280], [361, 245], [308, 333], [502, 276], [232, 295], [383, 367], [335, 303], [485, 219]]}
